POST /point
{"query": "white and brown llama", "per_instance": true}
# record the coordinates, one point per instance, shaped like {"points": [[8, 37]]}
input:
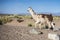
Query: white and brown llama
{"points": [[45, 19]]}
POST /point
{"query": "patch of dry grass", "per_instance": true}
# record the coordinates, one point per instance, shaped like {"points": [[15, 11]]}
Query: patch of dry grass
{"points": [[5, 19], [30, 24], [56, 17], [24, 17]]}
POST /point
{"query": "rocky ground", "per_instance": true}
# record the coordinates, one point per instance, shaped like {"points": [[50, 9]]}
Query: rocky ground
{"points": [[20, 31]]}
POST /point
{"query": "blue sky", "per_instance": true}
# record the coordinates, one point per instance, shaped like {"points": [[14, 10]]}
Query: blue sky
{"points": [[21, 6]]}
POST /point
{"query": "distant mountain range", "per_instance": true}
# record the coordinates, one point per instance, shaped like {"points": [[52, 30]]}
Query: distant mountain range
{"points": [[54, 14]]}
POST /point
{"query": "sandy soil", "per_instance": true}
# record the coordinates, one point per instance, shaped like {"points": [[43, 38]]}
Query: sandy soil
{"points": [[20, 31]]}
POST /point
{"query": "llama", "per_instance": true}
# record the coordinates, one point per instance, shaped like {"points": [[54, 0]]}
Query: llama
{"points": [[40, 19]]}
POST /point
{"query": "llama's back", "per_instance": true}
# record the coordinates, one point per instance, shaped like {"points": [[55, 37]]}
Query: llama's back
{"points": [[48, 16]]}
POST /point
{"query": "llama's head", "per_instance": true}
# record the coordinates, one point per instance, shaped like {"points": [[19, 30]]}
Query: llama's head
{"points": [[29, 9]]}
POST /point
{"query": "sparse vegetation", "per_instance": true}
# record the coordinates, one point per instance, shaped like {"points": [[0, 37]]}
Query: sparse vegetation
{"points": [[22, 17], [28, 17], [30, 25], [56, 17], [21, 29], [1, 22], [5, 19], [46, 27], [20, 20], [17, 16]]}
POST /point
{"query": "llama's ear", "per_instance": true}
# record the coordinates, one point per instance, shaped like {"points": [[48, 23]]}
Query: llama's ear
{"points": [[29, 7]]}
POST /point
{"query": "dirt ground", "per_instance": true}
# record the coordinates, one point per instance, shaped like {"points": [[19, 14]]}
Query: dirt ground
{"points": [[20, 31]]}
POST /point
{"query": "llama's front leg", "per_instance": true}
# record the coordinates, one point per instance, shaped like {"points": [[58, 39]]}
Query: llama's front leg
{"points": [[40, 25], [36, 24]]}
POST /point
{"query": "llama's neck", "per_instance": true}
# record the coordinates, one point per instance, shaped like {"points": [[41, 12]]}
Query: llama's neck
{"points": [[33, 14]]}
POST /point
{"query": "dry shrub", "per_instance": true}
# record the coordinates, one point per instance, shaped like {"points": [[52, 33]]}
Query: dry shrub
{"points": [[28, 17], [20, 20], [5, 19], [1, 22], [30, 25], [20, 17], [56, 17]]}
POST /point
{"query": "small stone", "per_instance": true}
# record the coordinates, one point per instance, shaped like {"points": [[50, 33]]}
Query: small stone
{"points": [[41, 33]]}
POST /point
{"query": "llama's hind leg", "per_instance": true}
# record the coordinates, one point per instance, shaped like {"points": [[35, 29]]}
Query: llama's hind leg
{"points": [[49, 25], [53, 24]]}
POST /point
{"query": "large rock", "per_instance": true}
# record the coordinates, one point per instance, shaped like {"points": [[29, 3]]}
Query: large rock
{"points": [[33, 31], [53, 36], [56, 29]]}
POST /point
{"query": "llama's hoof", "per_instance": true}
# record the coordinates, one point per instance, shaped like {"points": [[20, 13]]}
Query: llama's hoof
{"points": [[51, 28]]}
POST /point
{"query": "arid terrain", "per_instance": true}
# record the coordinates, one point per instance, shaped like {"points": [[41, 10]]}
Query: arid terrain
{"points": [[15, 30]]}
